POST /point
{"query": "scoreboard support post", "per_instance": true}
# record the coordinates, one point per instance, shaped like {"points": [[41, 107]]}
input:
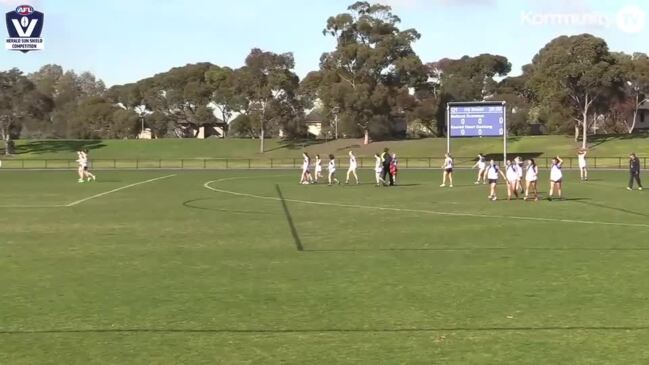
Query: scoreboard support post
{"points": [[504, 132], [448, 128]]}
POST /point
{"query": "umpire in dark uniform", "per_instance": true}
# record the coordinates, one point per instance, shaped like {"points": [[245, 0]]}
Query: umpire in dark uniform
{"points": [[634, 171], [386, 158]]}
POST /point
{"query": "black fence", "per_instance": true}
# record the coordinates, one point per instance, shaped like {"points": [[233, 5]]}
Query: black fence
{"points": [[284, 163]]}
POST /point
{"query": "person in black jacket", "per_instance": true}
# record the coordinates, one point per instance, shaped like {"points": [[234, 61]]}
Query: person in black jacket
{"points": [[634, 171], [387, 160]]}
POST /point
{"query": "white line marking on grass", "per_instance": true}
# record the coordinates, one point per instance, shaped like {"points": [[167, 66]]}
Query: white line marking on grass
{"points": [[422, 211], [116, 190], [33, 206]]}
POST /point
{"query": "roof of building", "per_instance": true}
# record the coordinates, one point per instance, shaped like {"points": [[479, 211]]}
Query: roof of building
{"points": [[314, 116]]}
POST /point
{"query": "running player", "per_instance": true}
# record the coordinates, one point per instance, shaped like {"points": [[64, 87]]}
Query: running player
{"points": [[332, 170], [583, 171], [318, 169], [493, 172], [353, 165], [305, 178], [555, 177], [513, 179], [448, 170], [482, 167], [531, 176], [378, 169]]}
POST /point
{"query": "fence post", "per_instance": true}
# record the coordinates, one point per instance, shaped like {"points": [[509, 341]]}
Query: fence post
{"points": [[137, 163], [406, 162], [204, 163], [249, 161], [114, 163], [46, 163], [271, 163], [159, 163], [595, 162], [644, 162], [182, 163], [619, 162], [429, 165]]}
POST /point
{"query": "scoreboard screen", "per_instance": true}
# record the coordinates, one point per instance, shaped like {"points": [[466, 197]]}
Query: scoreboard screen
{"points": [[476, 120]]}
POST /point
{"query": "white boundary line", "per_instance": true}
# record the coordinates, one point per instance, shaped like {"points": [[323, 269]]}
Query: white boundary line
{"points": [[33, 206], [434, 212], [77, 202]]}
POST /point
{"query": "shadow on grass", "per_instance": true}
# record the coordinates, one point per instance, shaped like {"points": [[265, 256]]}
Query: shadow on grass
{"points": [[297, 144], [289, 219], [622, 210], [462, 249], [598, 140], [54, 146]]}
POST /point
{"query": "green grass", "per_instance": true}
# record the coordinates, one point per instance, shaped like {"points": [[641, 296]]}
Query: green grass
{"points": [[539, 146], [171, 272]]}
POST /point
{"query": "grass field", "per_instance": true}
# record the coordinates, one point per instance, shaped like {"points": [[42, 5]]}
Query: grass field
{"points": [[251, 268], [536, 146]]}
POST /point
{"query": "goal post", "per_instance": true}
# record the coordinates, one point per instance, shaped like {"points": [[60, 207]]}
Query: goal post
{"points": [[476, 119]]}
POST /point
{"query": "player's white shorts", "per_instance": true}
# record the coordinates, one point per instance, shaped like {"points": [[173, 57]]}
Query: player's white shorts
{"points": [[353, 167], [482, 166], [318, 169], [582, 165], [378, 170]]}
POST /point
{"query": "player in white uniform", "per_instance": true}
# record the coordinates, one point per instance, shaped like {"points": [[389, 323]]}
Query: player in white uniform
{"points": [[378, 169], [81, 160], [493, 172], [583, 171], [318, 169], [556, 176], [518, 161], [448, 170], [306, 178], [84, 166], [513, 179], [331, 167], [353, 165], [482, 166], [531, 176]]}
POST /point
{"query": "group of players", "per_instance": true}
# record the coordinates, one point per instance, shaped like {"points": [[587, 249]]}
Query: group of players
{"points": [[520, 176], [385, 169]]}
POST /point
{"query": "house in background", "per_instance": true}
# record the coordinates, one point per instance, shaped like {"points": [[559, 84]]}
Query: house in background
{"points": [[215, 129], [314, 123], [642, 123]]}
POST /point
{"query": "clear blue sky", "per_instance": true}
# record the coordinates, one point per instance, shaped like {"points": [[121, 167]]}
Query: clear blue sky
{"points": [[122, 41]]}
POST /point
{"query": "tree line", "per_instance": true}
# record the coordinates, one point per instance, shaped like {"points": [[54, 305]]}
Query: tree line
{"points": [[370, 85]]}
